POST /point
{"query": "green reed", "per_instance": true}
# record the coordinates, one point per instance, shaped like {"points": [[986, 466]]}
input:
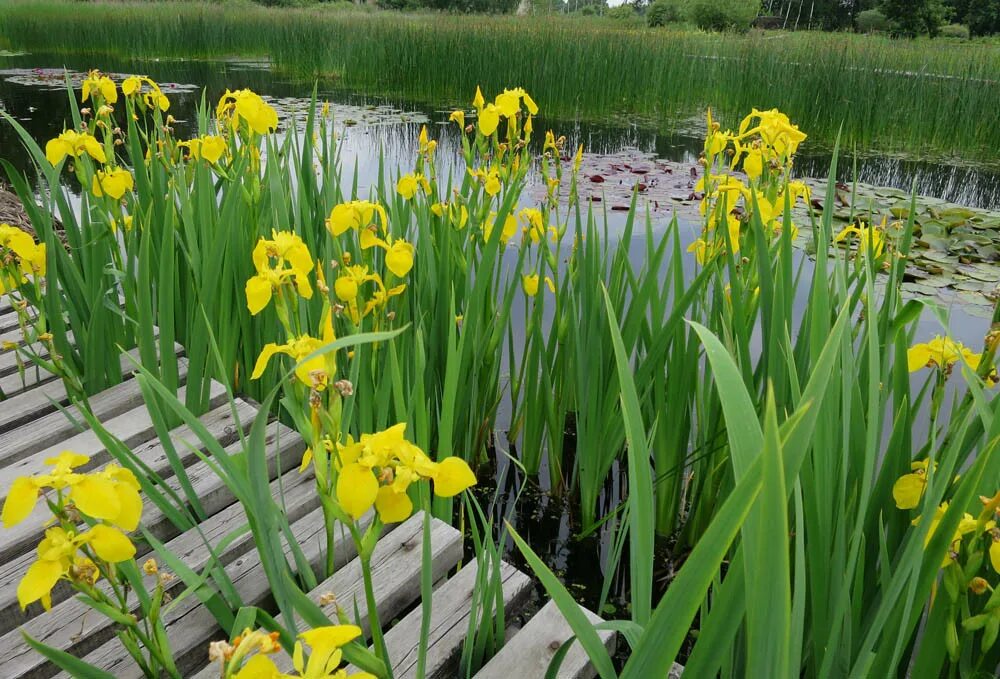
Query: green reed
{"points": [[918, 97], [806, 567]]}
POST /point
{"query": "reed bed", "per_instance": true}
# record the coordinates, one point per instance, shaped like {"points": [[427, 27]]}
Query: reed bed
{"points": [[886, 94]]}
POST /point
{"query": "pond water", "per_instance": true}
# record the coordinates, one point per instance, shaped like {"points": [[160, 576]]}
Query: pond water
{"points": [[32, 90]]}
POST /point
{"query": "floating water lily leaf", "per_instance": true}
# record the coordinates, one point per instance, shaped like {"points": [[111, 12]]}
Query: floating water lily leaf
{"points": [[957, 211], [918, 289]]}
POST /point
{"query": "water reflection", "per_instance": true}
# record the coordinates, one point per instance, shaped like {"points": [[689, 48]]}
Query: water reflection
{"points": [[42, 110]]}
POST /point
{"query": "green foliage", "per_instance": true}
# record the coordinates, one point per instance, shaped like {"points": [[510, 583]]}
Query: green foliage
{"points": [[663, 12], [826, 14], [623, 12], [955, 31], [723, 15], [915, 17], [547, 6], [873, 21], [983, 17]]}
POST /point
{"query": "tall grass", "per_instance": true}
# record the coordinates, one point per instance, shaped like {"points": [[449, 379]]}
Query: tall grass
{"points": [[916, 97]]}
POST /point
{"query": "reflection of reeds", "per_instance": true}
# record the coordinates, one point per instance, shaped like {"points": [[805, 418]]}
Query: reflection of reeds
{"points": [[886, 93]]}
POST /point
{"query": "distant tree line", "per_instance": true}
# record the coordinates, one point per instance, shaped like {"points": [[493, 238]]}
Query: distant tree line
{"points": [[957, 18], [906, 17]]}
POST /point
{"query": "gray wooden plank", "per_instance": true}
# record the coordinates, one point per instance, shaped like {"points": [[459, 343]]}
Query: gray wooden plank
{"points": [[73, 627], [43, 399], [16, 383], [10, 360], [210, 489], [133, 428], [17, 376], [190, 626], [530, 651], [8, 320], [396, 565], [450, 610], [55, 427], [10, 331]]}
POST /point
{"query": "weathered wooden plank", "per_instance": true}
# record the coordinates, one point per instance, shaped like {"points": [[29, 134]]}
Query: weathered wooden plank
{"points": [[8, 320], [190, 627], [8, 332], [210, 489], [530, 651], [9, 360], [48, 430], [449, 622], [133, 429], [396, 564], [74, 627], [29, 405], [20, 375]]}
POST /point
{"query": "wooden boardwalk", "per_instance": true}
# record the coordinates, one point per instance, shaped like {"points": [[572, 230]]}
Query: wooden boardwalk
{"points": [[33, 427]]}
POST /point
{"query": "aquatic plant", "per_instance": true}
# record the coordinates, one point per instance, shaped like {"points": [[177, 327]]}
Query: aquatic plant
{"points": [[883, 94], [766, 439]]}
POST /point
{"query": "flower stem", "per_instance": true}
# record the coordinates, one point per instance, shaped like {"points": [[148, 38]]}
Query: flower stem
{"points": [[373, 621]]}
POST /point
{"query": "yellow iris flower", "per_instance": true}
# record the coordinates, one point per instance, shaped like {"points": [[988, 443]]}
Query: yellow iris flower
{"points": [[208, 147], [377, 470], [426, 146], [490, 179], [325, 655], [966, 525], [534, 223], [457, 213], [489, 119], [57, 559], [112, 183], [96, 83], [398, 253], [110, 495], [909, 488], [408, 185], [354, 215], [347, 287], [775, 129], [509, 227], [508, 103], [293, 263], [20, 248], [248, 106], [530, 283], [76, 144], [869, 238], [133, 86], [314, 373], [940, 352]]}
